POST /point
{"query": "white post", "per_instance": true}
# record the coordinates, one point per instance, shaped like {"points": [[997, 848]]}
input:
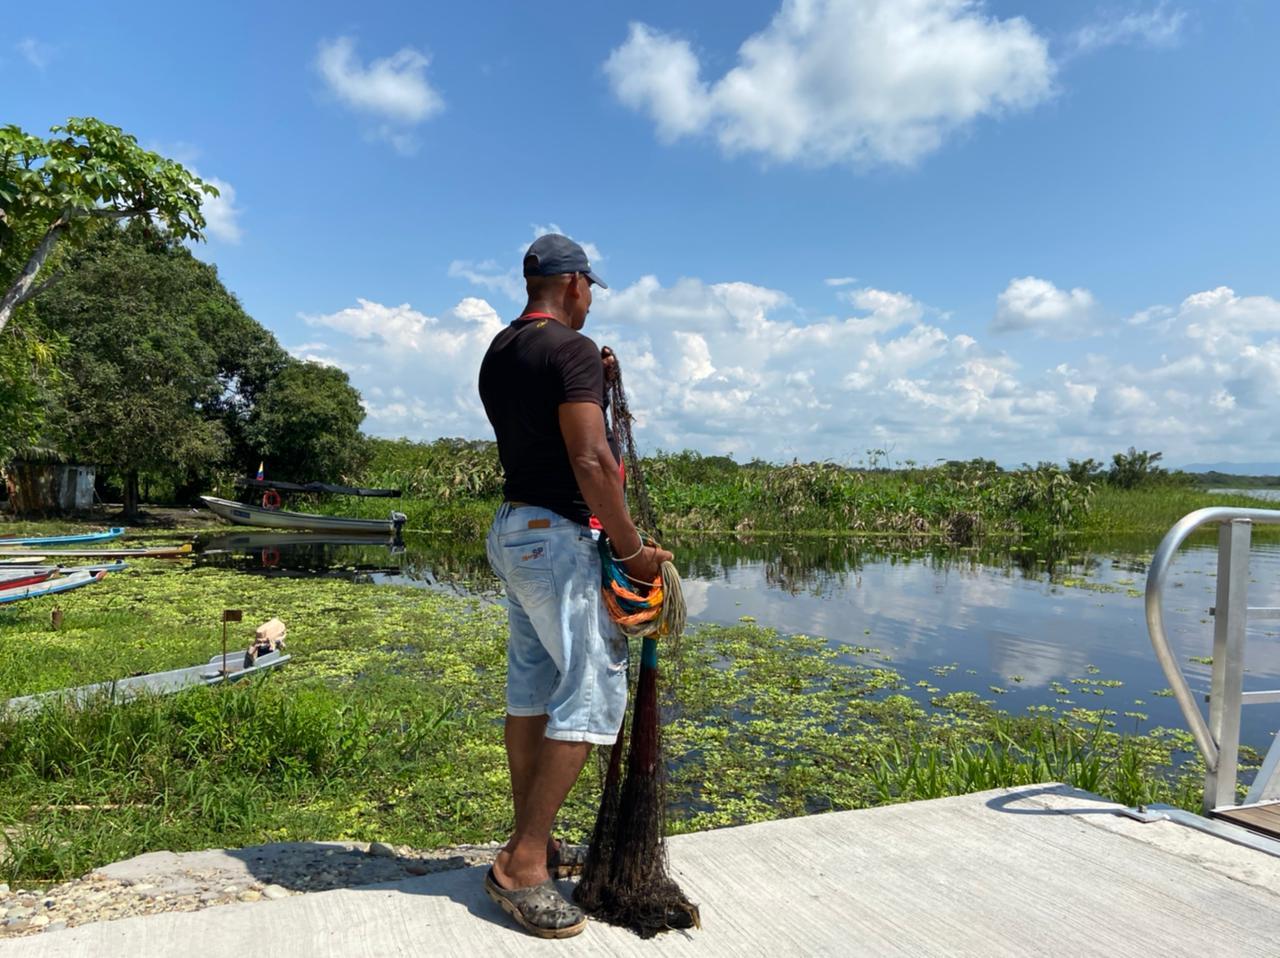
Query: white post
{"points": [[1225, 700]]}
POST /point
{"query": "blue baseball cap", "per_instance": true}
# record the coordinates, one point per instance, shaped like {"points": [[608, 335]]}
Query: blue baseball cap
{"points": [[554, 255]]}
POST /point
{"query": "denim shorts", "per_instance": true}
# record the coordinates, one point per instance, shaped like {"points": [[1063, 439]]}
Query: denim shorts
{"points": [[566, 659]]}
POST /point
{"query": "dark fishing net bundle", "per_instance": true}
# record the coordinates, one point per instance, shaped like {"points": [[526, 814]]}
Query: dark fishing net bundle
{"points": [[625, 879], [620, 413]]}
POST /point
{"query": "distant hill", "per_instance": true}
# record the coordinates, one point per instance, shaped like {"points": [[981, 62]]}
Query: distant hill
{"points": [[1236, 468]]}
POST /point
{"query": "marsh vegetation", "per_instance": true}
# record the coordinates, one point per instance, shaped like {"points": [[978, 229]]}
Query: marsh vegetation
{"points": [[387, 726]]}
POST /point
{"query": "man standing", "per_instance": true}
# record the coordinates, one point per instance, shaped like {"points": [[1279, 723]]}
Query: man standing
{"points": [[542, 385]]}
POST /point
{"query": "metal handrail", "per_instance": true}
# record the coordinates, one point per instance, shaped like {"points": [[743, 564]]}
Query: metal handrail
{"points": [[1155, 614]]}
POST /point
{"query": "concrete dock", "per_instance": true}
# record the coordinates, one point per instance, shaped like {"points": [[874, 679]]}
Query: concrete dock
{"points": [[1040, 870]]}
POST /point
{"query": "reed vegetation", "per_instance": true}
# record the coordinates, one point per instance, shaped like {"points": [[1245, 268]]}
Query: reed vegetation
{"points": [[453, 485]]}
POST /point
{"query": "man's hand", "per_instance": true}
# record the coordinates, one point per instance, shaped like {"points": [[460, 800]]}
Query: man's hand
{"points": [[647, 566], [610, 362]]}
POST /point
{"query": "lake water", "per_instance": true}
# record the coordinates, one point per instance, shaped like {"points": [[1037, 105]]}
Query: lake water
{"points": [[1270, 495], [1017, 627]]}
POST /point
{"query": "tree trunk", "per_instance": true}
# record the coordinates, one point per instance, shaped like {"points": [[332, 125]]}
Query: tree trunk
{"points": [[131, 493]]}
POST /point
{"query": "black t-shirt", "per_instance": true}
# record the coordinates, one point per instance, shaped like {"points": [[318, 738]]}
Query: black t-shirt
{"points": [[532, 367]]}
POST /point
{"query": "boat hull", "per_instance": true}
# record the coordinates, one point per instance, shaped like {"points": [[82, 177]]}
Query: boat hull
{"points": [[157, 683], [113, 533], [51, 587], [17, 578], [39, 552], [246, 515]]}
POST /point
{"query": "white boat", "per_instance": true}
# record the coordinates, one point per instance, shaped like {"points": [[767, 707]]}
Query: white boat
{"points": [[229, 668], [247, 515]]}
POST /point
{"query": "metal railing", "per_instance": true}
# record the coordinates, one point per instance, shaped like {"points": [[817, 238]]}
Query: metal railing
{"points": [[1219, 738]]}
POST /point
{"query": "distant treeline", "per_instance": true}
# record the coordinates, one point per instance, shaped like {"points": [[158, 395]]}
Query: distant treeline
{"points": [[1227, 480]]}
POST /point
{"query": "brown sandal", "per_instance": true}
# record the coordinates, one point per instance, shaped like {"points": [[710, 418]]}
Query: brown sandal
{"points": [[540, 910]]}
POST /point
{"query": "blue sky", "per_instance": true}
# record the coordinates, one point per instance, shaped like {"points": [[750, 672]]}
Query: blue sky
{"points": [[948, 229]]}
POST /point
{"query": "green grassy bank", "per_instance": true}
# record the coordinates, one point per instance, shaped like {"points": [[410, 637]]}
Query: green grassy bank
{"points": [[387, 726]]}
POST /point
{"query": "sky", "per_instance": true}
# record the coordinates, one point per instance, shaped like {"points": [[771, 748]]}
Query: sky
{"points": [[939, 228]]}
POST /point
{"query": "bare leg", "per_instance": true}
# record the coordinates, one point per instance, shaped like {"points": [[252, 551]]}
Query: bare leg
{"points": [[524, 735], [540, 782]]}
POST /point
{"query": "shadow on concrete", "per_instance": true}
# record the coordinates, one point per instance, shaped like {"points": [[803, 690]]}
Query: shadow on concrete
{"points": [[1003, 803], [316, 866]]}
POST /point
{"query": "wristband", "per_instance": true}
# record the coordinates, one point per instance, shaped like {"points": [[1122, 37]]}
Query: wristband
{"points": [[618, 558]]}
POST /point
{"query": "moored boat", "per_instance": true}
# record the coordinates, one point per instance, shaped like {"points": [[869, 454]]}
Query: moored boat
{"points": [[247, 515], [40, 552], [229, 668], [51, 586], [113, 533], [20, 565], [16, 578]]}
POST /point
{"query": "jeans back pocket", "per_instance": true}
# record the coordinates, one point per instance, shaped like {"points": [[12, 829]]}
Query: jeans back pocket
{"points": [[530, 577]]}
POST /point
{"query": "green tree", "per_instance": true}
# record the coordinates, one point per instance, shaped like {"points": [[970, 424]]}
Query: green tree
{"points": [[306, 424], [1135, 468], [1083, 470], [160, 348], [28, 371], [54, 191]]}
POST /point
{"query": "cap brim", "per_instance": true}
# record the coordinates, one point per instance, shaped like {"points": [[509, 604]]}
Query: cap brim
{"points": [[597, 280]]}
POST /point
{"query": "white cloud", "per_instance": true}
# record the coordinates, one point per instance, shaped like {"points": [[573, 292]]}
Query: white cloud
{"points": [[491, 276], [417, 372], [841, 81], [393, 89], [735, 367], [34, 52], [222, 216], [885, 310], [1035, 304], [840, 280], [1160, 26]]}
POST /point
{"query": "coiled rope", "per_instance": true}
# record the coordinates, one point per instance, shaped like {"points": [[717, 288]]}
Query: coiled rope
{"points": [[643, 609]]}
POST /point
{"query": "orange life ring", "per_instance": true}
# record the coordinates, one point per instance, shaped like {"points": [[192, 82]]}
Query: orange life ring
{"points": [[271, 499], [270, 557]]}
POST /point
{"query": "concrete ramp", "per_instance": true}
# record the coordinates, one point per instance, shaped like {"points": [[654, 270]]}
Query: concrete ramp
{"points": [[1042, 870]]}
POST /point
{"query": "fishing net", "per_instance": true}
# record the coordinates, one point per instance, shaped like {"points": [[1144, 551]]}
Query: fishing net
{"points": [[625, 880], [620, 413]]}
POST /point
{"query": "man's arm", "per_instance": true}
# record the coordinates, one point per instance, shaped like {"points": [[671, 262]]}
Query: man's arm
{"points": [[582, 427]]}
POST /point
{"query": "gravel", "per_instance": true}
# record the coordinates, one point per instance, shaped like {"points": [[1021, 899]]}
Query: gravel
{"points": [[189, 881]]}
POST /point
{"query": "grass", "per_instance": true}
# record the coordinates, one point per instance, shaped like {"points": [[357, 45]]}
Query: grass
{"points": [[387, 726], [1152, 510]]}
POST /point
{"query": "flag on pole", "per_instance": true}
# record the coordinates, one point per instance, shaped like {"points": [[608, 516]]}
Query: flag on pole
{"points": [[260, 465]]}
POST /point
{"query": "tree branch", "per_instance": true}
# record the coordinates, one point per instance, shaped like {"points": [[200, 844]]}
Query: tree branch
{"points": [[33, 293], [19, 289], [23, 289]]}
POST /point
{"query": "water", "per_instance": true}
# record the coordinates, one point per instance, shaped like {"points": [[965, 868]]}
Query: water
{"points": [[1270, 495], [1019, 628]]}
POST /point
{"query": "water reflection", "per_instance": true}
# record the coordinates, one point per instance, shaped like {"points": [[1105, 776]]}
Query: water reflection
{"points": [[1061, 625], [300, 554]]}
